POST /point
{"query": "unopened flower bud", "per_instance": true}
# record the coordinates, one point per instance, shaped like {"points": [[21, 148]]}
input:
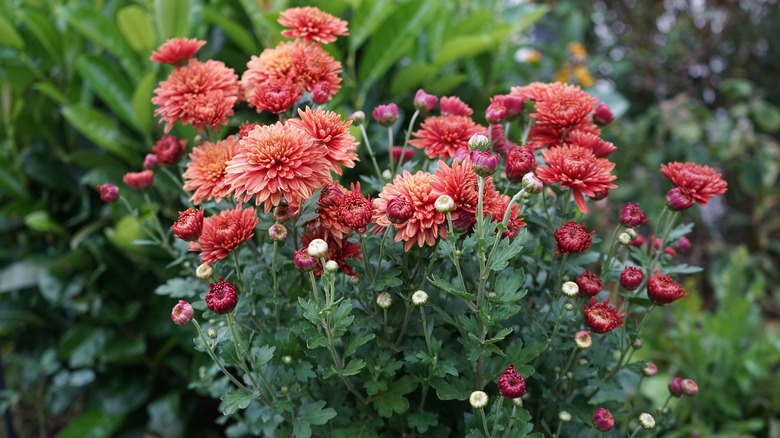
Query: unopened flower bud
{"points": [[284, 389], [602, 115], [303, 261], [384, 300], [182, 313], [108, 192], [479, 142], [532, 184], [222, 297], [679, 199], [386, 115], [647, 421], [637, 344], [318, 248], [354, 280], [399, 210], [603, 420], [287, 359], [484, 164], [631, 277], [583, 340], [569, 307], [386, 174], [424, 102], [358, 117], [518, 402], [444, 204], [277, 232], [150, 161], [212, 333], [478, 399], [650, 369], [564, 416], [631, 233], [624, 239], [689, 387], [331, 267], [419, 298], [204, 271], [570, 289], [511, 384], [674, 387]]}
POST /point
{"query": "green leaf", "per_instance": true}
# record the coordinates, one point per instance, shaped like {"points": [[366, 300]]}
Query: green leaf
{"points": [[109, 84], [367, 18], [99, 128], [236, 400], [448, 287], [262, 355], [52, 91], [82, 344], [142, 102], [507, 249], [766, 115], [172, 18], [41, 26], [446, 83], [262, 26], [452, 388], [373, 387], [389, 279], [233, 30], [311, 414], [8, 35], [181, 288], [467, 46], [404, 24], [41, 221], [508, 285], [356, 341], [422, 421], [136, 28], [411, 77], [92, 424], [353, 367], [393, 400]]}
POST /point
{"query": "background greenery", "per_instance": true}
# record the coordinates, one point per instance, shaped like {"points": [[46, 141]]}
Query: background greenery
{"points": [[87, 346]]}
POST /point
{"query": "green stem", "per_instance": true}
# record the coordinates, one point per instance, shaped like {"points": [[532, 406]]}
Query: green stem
{"points": [[390, 147], [382, 250], [636, 431], [213, 356], [314, 289], [511, 419], [606, 264], [406, 140], [371, 153], [484, 422], [498, 415], [238, 267], [276, 284], [240, 351]]}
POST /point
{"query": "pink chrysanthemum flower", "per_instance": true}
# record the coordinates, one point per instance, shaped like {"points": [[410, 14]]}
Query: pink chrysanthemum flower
{"points": [[328, 129], [700, 182], [576, 168], [177, 50], [139, 180], [276, 162], [443, 136], [534, 91], [312, 24], [426, 224], [564, 105], [205, 172], [275, 96], [199, 94], [453, 106], [224, 233]]}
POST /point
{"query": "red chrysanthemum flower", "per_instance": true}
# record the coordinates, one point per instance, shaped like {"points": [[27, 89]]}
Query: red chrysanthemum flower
{"points": [[701, 182], [339, 250], [511, 384], [572, 238], [662, 290], [631, 277], [534, 91], [328, 215], [576, 168], [600, 148], [519, 161], [139, 180], [500, 143], [589, 284], [563, 105], [453, 106], [189, 225], [275, 96], [169, 149], [328, 129], [602, 115], [504, 107], [275, 162], [495, 206], [330, 195], [199, 94], [312, 24], [460, 183], [399, 210], [205, 172], [601, 317], [224, 233], [355, 210], [408, 154], [426, 224], [222, 297], [443, 136], [632, 216], [177, 50]]}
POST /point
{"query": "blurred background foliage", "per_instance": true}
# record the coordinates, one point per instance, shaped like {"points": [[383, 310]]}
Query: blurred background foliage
{"points": [[87, 347]]}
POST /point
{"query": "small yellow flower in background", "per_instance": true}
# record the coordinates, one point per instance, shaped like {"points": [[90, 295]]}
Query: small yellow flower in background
{"points": [[583, 76], [528, 56]]}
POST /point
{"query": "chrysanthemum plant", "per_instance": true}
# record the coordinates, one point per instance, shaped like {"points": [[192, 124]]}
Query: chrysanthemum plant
{"points": [[465, 296]]}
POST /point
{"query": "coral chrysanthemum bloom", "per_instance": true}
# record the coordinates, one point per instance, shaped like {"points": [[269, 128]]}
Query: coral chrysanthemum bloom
{"points": [[355, 210], [564, 105], [453, 106], [312, 24], [426, 224], [534, 91], [460, 183], [495, 206], [600, 147], [274, 162], [275, 96], [177, 50], [576, 168], [701, 182], [224, 233], [206, 171], [199, 94], [328, 129], [443, 136]]}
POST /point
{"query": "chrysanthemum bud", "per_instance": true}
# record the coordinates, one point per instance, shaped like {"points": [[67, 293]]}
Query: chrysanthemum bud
{"points": [[386, 115], [603, 420], [139, 180], [331, 267], [689, 387], [583, 340], [679, 199], [384, 300], [425, 102], [169, 149], [204, 271], [647, 421], [532, 184], [511, 384], [631, 215], [182, 313], [564, 416], [631, 233], [222, 297], [320, 92], [399, 210], [419, 298], [520, 161], [386, 174], [662, 290], [150, 161], [358, 117], [518, 402], [303, 261], [212, 333], [589, 284], [650, 369], [568, 307], [354, 280], [624, 239], [484, 164], [444, 204], [277, 232], [631, 277], [479, 142], [570, 289], [637, 344], [287, 359], [683, 244], [478, 399], [189, 225], [318, 248], [674, 386], [108, 192], [602, 115]]}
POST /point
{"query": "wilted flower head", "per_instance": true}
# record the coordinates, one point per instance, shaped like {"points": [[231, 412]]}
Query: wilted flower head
{"points": [[601, 317], [224, 233], [206, 173], [572, 238], [662, 290], [589, 284], [425, 102], [511, 384], [222, 297], [177, 50], [182, 313], [189, 225], [312, 24], [139, 180], [701, 182], [632, 216], [108, 192], [603, 420], [169, 149]]}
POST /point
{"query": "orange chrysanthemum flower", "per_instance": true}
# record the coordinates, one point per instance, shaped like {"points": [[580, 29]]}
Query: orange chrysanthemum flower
{"points": [[224, 233], [199, 94], [329, 130], [312, 24], [443, 136], [576, 168], [275, 96], [564, 105], [206, 171], [426, 224], [275, 162], [177, 50], [701, 182]]}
